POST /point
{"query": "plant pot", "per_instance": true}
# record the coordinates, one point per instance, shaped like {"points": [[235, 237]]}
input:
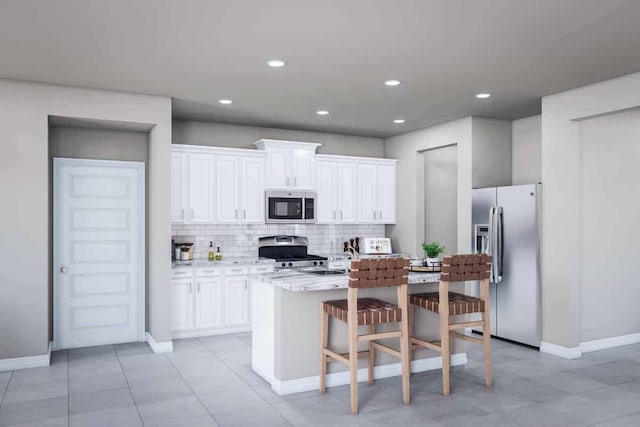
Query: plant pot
{"points": [[432, 262]]}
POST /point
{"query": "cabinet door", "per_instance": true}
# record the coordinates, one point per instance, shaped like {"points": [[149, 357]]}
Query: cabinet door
{"points": [[236, 301], [303, 169], [252, 203], [208, 302], [345, 193], [227, 189], [367, 199], [387, 194], [278, 168], [182, 310], [325, 210], [179, 189], [201, 187]]}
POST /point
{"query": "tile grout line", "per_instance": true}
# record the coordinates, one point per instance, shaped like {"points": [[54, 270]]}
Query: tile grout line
{"points": [[192, 390], [242, 379], [135, 404]]}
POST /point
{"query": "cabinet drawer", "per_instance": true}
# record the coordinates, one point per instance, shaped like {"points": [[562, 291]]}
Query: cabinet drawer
{"points": [[178, 273], [236, 270], [208, 271], [257, 269]]}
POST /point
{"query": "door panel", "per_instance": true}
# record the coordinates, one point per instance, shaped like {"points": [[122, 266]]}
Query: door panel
{"points": [[325, 210], [201, 188], [253, 204], [387, 194], [182, 307], [278, 168], [345, 191], [98, 252], [236, 300], [208, 302], [367, 198], [179, 189], [303, 169], [518, 299], [227, 189]]}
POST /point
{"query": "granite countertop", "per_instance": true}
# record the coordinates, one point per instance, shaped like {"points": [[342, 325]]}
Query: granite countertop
{"points": [[225, 262], [297, 281]]}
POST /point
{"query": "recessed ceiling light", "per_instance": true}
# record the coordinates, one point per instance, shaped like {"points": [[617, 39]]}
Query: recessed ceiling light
{"points": [[399, 121], [225, 101], [392, 82], [483, 95], [322, 112], [276, 63]]}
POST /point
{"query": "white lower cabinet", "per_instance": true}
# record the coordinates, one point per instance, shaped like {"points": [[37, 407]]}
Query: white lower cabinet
{"points": [[213, 301]]}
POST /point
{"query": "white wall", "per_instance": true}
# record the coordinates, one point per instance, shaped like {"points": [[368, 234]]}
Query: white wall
{"points": [[527, 145], [235, 136], [24, 171], [561, 204], [610, 231], [491, 152], [408, 233]]}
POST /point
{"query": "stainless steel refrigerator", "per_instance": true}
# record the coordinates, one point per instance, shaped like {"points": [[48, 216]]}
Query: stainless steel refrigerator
{"points": [[506, 223]]}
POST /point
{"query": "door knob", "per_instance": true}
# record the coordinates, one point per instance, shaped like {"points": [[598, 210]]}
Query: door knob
{"points": [[63, 269]]}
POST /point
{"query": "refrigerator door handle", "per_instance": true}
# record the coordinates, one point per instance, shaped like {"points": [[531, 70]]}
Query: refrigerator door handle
{"points": [[496, 243]]}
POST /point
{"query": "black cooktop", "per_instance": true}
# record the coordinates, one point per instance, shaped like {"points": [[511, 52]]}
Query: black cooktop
{"points": [[287, 258]]}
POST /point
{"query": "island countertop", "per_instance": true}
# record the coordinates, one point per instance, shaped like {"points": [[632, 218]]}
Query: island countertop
{"points": [[298, 281]]}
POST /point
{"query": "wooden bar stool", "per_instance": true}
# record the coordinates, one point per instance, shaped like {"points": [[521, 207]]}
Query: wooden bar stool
{"points": [[369, 273], [457, 268]]}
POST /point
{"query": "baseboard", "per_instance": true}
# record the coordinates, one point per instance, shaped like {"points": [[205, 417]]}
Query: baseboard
{"points": [[195, 333], [560, 351], [159, 347], [26, 362], [603, 344], [341, 378]]}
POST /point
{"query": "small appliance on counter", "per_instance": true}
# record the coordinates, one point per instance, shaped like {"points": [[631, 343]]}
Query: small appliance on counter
{"points": [[183, 251], [376, 246]]}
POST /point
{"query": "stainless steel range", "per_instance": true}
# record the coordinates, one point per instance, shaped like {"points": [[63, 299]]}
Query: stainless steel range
{"points": [[289, 252]]}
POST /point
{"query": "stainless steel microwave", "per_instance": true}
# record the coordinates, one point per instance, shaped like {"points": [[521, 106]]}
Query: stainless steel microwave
{"points": [[291, 207]]}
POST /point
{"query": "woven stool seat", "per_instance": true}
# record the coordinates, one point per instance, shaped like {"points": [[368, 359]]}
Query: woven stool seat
{"points": [[458, 303], [371, 311]]}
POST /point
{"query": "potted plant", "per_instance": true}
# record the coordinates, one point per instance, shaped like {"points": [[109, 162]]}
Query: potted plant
{"points": [[432, 253]]}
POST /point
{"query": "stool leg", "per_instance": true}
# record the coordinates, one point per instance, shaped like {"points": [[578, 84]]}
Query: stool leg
{"points": [[444, 337], [371, 330], [353, 346], [405, 346], [486, 332], [324, 341]]}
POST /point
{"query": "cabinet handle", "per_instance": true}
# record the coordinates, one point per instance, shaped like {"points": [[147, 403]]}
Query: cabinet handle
{"points": [[334, 214], [374, 214], [182, 214], [190, 287], [341, 214], [295, 181], [379, 214], [244, 213], [245, 285], [288, 181], [236, 213], [236, 270], [192, 215], [198, 287]]}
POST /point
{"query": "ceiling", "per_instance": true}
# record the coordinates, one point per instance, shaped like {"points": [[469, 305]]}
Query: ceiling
{"points": [[338, 55]]}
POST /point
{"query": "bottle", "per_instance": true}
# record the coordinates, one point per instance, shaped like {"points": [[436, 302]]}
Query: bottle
{"points": [[218, 254], [212, 255]]}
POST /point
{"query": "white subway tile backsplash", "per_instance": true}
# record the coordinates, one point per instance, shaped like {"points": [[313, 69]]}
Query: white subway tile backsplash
{"points": [[241, 240]]}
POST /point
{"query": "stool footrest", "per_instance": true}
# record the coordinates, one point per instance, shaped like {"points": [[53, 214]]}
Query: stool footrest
{"points": [[461, 325], [386, 349], [379, 335], [466, 338], [344, 357], [427, 344]]}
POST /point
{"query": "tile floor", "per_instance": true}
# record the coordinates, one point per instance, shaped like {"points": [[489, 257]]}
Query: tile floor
{"points": [[209, 382]]}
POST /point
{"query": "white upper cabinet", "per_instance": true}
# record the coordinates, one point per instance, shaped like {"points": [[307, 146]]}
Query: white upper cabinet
{"points": [[179, 189], [290, 165], [201, 186], [217, 185], [376, 192], [336, 191]]}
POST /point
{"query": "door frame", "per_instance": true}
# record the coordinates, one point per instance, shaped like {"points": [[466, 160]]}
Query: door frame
{"points": [[58, 163]]}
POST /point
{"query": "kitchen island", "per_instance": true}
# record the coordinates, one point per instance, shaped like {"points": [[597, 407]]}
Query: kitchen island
{"points": [[286, 330]]}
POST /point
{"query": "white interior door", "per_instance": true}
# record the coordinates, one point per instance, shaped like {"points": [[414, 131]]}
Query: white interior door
{"points": [[98, 252]]}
